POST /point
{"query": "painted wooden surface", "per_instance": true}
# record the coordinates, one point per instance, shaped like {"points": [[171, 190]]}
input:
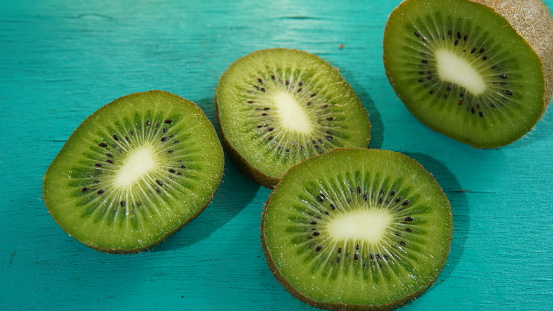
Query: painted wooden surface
{"points": [[61, 60]]}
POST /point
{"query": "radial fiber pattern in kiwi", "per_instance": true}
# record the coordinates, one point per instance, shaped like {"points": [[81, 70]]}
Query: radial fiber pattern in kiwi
{"points": [[478, 52], [134, 171], [498, 108], [324, 265], [324, 203], [278, 107], [98, 170], [261, 112]]}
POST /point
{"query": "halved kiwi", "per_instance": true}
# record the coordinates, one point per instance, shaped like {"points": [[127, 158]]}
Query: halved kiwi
{"points": [[134, 172], [278, 107], [357, 229], [477, 71]]}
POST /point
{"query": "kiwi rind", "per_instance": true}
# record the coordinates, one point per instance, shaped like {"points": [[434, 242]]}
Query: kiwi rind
{"points": [[447, 226], [532, 22], [54, 184], [252, 166]]}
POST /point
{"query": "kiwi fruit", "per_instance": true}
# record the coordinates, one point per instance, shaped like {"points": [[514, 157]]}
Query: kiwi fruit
{"points": [[478, 71], [134, 172], [278, 107], [357, 229]]}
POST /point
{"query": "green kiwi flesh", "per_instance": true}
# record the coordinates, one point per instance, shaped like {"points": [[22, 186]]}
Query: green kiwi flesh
{"points": [[278, 107], [472, 71], [134, 171], [357, 229]]}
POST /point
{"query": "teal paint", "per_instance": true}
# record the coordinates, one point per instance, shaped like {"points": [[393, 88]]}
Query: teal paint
{"points": [[62, 60]]}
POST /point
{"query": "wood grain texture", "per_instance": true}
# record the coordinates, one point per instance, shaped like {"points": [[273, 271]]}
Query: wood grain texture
{"points": [[61, 60]]}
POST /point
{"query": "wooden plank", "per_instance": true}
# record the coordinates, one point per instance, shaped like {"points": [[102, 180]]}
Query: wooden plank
{"points": [[62, 60]]}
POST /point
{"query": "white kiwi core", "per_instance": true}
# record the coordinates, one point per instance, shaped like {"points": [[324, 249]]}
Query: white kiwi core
{"points": [[291, 115], [368, 225], [453, 68], [137, 164]]}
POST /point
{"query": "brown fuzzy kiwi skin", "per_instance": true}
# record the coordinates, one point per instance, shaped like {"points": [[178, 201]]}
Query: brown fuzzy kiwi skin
{"points": [[331, 306], [90, 244], [532, 20]]}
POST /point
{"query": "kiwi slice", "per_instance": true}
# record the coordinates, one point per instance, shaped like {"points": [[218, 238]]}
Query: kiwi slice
{"points": [[278, 107], [357, 229], [134, 172], [477, 71]]}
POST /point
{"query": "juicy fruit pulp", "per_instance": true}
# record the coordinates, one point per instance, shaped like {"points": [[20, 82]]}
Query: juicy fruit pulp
{"points": [[357, 228], [134, 171], [278, 107], [462, 70]]}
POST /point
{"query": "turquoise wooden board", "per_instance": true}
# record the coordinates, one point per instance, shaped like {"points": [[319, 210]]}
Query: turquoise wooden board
{"points": [[61, 60]]}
